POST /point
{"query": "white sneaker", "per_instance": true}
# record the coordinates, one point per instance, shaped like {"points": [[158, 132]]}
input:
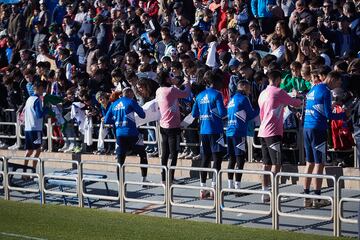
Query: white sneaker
{"points": [[14, 147], [70, 148], [65, 147]]}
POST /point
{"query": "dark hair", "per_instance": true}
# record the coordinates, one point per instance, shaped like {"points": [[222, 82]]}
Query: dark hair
{"points": [[274, 75], [162, 79]]}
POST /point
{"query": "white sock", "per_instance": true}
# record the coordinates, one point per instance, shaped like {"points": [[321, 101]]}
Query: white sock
{"points": [[213, 184], [230, 183], [237, 185], [266, 188], [202, 184]]}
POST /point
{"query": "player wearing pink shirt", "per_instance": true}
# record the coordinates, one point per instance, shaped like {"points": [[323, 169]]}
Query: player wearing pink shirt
{"points": [[272, 102], [167, 97]]}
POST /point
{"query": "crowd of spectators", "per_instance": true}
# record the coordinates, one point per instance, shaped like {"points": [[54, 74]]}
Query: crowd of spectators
{"points": [[89, 51]]}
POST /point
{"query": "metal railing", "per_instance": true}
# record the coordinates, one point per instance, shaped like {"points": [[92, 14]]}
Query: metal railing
{"points": [[336, 200], [222, 191], [47, 176], [105, 180], [174, 186], [342, 200], [278, 196], [38, 176], [151, 184]]}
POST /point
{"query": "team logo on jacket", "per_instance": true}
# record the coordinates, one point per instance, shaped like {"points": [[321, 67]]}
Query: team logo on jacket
{"points": [[205, 100], [231, 103], [310, 96], [119, 106]]}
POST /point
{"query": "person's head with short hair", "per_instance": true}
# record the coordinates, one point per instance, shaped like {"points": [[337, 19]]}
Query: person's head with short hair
{"points": [[295, 68], [274, 78], [102, 98], [341, 66], [333, 80], [243, 86], [38, 88], [128, 92], [323, 72], [213, 79], [163, 79]]}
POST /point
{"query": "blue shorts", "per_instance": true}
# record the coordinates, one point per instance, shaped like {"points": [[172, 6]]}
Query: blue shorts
{"points": [[211, 143], [236, 146], [33, 140], [315, 143]]}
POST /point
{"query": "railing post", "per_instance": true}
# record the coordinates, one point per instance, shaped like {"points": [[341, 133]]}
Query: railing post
{"points": [[49, 134], [121, 176], [218, 198], [337, 210], [168, 193], [18, 131], [275, 216], [80, 185], [250, 148], [42, 181], [6, 179]]}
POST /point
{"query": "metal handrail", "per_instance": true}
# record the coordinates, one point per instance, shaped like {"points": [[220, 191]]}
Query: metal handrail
{"points": [[221, 190], [125, 183], [172, 187], [333, 202], [341, 200], [58, 177], [22, 189], [118, 182]]}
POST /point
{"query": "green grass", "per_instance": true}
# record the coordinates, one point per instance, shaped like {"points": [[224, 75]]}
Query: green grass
{"points": [[60, 222]]}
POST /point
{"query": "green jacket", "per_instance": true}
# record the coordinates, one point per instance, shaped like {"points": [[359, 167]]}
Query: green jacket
{"points": [[289, 83]]}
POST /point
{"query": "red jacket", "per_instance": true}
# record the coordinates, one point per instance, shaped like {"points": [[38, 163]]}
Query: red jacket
{"points": [[340, 133]]}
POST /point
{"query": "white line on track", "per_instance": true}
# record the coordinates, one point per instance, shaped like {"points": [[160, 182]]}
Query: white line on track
{"points": [[20, 236]]}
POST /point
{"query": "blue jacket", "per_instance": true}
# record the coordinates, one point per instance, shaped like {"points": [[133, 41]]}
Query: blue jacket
{"points": [[122, 114], [260, 9], [240, 112], [318, 108], [209, 107]]}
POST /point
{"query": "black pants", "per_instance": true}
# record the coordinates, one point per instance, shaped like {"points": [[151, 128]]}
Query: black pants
{"points": [[206, 160], [130, 143], [169, 145], [240, 162]]}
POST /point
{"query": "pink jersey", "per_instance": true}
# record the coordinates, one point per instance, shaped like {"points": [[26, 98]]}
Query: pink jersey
{"points": [[272, 102], [167, 98]]}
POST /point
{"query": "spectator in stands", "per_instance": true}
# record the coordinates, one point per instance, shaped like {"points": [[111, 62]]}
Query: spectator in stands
{"points": [[272, 102]]}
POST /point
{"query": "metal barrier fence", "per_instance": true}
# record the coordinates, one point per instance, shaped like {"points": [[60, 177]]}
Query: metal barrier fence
{"points": [[125, 183], [250, 140], [342, 200], [333, 215], [47, 176], [336, 200], [38, 176], [85, 179], [173, 186], [271, 195]]}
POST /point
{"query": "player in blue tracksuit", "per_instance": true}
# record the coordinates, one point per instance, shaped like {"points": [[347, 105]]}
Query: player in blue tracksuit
{"points": [[122, 115], [318, 111], [210, 110], [240, 112]]}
